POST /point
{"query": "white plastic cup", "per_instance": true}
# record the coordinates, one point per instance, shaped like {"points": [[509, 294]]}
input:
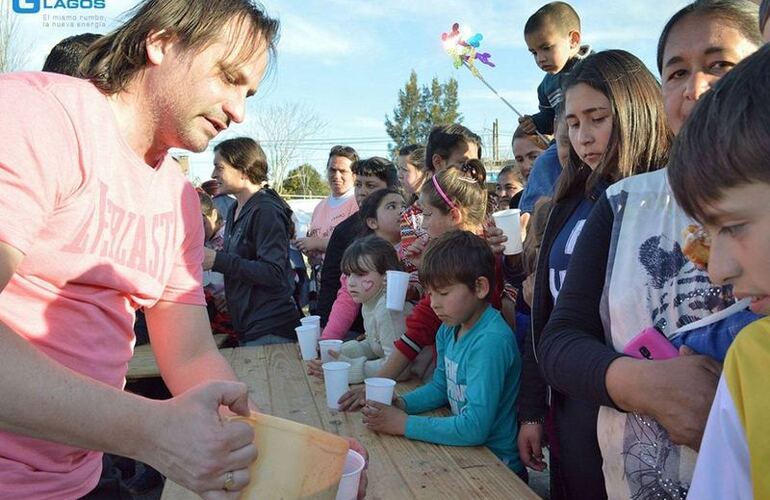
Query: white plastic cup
{"points": [[312, 320], [509, 221], [328, 345], [336, 382], [351, 476], [307, 341], [380, 389], [398, 282]]}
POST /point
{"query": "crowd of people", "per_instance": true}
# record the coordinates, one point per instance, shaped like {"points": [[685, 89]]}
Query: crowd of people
{"points": [[628, 337]]}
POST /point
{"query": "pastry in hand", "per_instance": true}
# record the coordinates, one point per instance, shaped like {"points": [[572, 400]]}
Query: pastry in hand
{"points": [[697, 245]]}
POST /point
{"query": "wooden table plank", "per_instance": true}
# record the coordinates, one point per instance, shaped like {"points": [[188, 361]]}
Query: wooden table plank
{"points": [[143, 364], [399, 468], [385, 479]]}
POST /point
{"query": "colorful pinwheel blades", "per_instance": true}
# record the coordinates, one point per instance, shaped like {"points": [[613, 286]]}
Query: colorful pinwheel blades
{"points": [[464, 51]]}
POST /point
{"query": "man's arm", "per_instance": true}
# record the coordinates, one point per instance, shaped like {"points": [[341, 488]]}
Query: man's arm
{"points": [[184, 347], [179, 436]]}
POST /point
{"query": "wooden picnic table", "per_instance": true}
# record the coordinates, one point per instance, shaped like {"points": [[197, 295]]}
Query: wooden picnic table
{"points": [[143, 364], [399, 468]]}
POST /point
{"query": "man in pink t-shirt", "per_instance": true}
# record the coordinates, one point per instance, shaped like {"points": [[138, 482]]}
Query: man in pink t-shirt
{"points": [[337, 207], [329, 212], [98, 221]]}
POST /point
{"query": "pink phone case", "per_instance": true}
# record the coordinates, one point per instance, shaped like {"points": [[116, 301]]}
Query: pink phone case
{"points": [[651, 344]]}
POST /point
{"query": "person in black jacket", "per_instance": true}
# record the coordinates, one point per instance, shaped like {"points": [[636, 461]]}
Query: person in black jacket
{"points": [[610, 99], [372, 174], [255, 258]]}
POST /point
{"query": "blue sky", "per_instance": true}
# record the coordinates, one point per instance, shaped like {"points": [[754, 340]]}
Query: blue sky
{"points": [[346, 59]]}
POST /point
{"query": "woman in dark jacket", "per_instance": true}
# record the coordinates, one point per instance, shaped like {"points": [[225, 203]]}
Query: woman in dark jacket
{"points": [[614, 114], [255, 258]]}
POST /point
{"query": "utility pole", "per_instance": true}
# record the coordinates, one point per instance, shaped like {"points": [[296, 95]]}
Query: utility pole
{"points": [[495, 140]]}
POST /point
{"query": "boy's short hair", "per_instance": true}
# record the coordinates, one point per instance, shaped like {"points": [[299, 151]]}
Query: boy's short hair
{"points": [[725, 141], [370, 253], [379, 167], [457, 257], [443, 139], [560, 15], [343, 151], [66, 55]]}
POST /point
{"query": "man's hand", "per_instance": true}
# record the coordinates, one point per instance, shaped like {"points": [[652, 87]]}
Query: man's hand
{"points": [[194, 447], [208, 258], [530, 443], [527, 125], [383, 418], [676, 392], [353, 400]]}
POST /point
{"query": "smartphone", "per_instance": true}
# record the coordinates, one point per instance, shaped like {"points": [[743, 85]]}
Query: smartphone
{"points": [[651, 344]]}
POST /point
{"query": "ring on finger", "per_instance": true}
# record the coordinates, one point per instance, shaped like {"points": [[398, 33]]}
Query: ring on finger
{"points": [[229, 481]]}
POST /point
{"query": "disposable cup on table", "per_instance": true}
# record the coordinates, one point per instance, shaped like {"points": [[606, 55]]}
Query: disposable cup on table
{"points": [[328, 345], [509, 221], [398, 282], [351, 476], [380, 389], [306, 335], [335, 381], [312, 320]]}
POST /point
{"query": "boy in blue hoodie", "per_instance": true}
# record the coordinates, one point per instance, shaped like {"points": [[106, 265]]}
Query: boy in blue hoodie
{"points": [[552, 35], [477, 365]]}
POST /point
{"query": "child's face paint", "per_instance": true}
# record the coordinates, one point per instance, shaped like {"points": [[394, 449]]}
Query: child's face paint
{"points": [[362, 287]]}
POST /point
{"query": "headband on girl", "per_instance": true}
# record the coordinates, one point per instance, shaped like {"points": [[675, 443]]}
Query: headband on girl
{"points": [[442, 193]]}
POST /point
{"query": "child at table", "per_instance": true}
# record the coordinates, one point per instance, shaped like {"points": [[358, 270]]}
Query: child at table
{"points": [[478, 365], [365, 264]]}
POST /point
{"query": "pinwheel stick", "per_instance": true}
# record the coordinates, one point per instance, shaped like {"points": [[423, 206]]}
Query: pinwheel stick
{"points": [[478, 75]]}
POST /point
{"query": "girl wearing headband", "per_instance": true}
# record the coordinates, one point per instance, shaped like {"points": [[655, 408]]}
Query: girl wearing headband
{"points": [[455, 198]]}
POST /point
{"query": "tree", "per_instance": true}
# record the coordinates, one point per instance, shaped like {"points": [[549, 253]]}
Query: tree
{"points": [[421, 108], [11, 58], [280, 130], [407, 126], [305, 180]]}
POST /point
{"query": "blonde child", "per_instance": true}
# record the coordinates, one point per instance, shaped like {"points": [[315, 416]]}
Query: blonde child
{"points": [[478, 365]]}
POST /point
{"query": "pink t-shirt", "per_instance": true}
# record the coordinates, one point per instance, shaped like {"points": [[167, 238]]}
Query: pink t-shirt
{"points": [[325, 217], [102, 232]]}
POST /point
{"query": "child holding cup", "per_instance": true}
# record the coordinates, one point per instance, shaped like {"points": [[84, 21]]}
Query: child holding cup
{"points": [[478, 366], [365, 264]]}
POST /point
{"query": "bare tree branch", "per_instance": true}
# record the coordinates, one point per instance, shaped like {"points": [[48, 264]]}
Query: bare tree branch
{"points": [[281, 129]]}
